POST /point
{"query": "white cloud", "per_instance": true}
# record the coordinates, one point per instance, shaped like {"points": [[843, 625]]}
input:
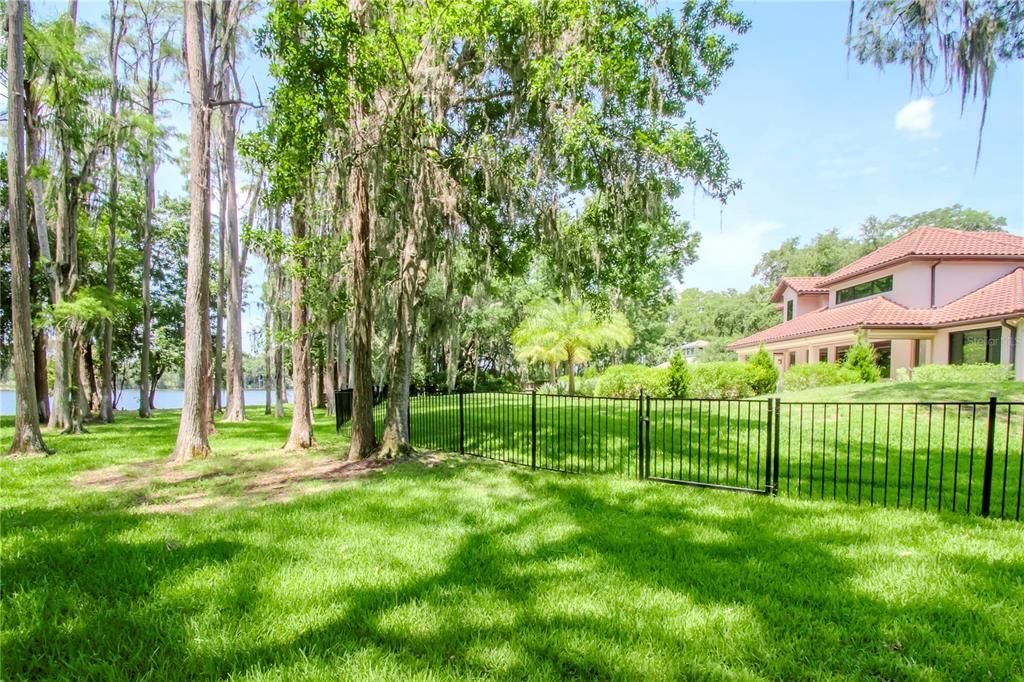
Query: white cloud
{"points": [[917, 116]]}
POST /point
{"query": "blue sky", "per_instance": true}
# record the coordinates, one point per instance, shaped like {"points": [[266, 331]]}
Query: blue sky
{"points": [[818, 140], [814, 138]]}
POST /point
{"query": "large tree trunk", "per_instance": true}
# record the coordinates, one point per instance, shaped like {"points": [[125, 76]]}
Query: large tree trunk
{"points": [[192, 431], [412, 275], [26, 438], [362, 442], [301, 435]]}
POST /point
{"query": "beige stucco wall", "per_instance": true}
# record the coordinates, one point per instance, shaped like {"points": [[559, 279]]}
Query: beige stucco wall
{"points": [[912, 282], [954, 279], [807, 303], [911, 285], [902, 355]]}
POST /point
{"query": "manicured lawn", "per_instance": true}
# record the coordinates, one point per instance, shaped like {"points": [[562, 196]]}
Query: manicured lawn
{"points": [[275, 566], [907, 391], [909, 455]]}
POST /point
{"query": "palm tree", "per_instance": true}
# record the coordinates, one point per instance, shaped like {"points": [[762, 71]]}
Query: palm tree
{"points": [[568, 332]]}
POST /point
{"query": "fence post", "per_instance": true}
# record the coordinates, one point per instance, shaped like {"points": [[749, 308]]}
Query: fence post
{"points": [[462, 426], [533, 429], [768, 451], [647, 439], [408, 417], [776, 448], [640, 435], [990, 442]]}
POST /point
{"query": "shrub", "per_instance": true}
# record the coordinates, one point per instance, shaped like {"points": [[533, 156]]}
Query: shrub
{"points": [[720, 380], [861, 359], [678, 376], [817, 374], [625, 381], [983, 373], [764, 375]]}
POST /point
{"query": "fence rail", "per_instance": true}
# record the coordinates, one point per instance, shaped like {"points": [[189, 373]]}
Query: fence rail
{"points": [[965, 457]]}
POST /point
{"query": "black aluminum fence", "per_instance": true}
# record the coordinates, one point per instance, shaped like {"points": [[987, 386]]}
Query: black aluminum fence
{"points": [[962, 457]]}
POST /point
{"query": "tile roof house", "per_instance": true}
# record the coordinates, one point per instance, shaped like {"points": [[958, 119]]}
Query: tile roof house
{"points": [[933, 296]]}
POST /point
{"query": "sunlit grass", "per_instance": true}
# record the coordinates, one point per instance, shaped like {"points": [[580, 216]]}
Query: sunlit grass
{"points": [[468, 569]]}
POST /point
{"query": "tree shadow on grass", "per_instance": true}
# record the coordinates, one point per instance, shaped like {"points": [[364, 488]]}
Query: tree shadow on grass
{"points": [[470, 570]]}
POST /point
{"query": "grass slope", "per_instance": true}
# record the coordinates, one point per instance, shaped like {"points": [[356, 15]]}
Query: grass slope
{"points": [[470, 569]]}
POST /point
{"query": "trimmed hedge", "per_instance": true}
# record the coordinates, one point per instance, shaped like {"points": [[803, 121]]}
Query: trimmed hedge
{"points": [[983, 373], [721, 380], [818, 374]]}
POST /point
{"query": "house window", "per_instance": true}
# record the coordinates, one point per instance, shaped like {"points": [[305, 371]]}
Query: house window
{"points": [[841, 352], [789, 310], [883, 357], [864, 289], [792, 358], [975, 346], [823, 355], [920, 354]]}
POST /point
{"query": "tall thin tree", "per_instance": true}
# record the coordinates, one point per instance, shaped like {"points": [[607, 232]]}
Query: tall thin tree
{"points": [[193, 441], [27, 438]]}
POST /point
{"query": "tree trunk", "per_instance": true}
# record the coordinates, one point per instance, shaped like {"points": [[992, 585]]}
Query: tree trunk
{"points": [[107, 364], [268, 356], [280, 395], [342, 351], [27, 438], [301, 436], [330, 371], [412, 276], [91, 393], [83, 406], [362, 441], [151, 398], [192, 439], [41, 376], [218, 344], [570, 368], [147, 276], [235, 410]]}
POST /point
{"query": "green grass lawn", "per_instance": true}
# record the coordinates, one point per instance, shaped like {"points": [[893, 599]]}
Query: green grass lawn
{"points": [[908, 391], [908, 455], [258, 564]]}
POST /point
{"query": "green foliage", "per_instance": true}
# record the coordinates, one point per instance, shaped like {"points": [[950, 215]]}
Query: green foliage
{"points": [[678, 376], [959, 42], [861, 359], [825, 253], [829, 251], [555, 332], [875, 232], [981, 373], [720, 380], [626, 381], [802, 377], [764, 375], [719, 316]]}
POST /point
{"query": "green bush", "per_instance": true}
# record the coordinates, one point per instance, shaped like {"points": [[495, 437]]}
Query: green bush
{"points": [[678, 376], [720, 380], [817, 374], [764, 375], [983, 373], [861, 359], [625, 381]]}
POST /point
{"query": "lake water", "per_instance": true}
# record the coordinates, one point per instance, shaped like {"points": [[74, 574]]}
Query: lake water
{"points": [[165, 399]]}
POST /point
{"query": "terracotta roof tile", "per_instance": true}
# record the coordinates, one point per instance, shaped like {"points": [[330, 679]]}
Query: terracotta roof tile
{"points": [[801, 285], [1003, 297], [932, 242]]}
